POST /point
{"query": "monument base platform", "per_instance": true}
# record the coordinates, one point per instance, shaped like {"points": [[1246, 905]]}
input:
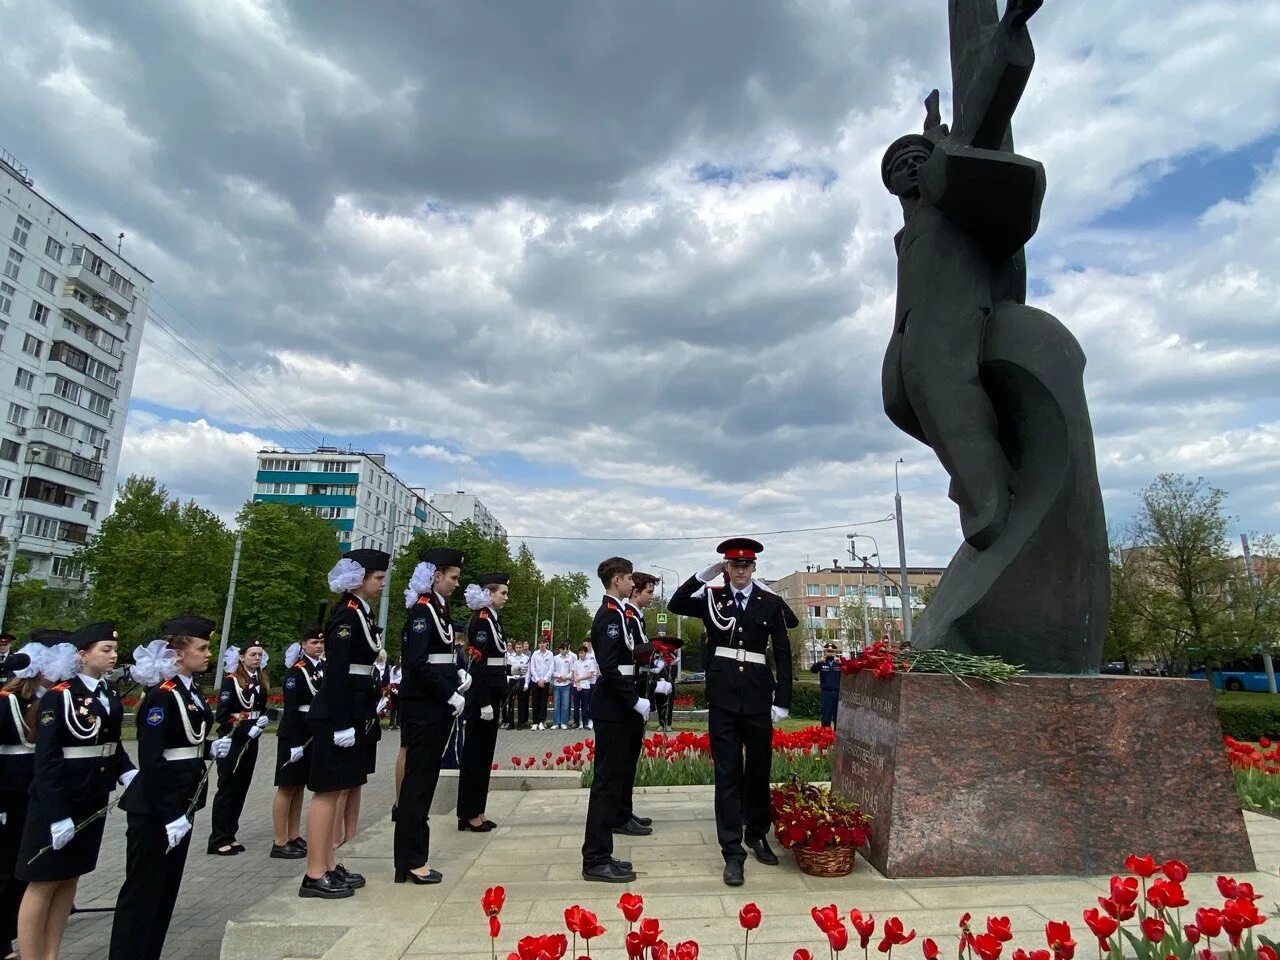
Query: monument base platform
{"points": [[1046, 775]]}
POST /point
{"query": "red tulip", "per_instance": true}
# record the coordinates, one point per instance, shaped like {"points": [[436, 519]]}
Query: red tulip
{"points": [[1124, 890], [631, 905], [825, 917], [1143, 866], [555, 945], [1192, 933], [688, 950], [650, 930], [865, 926], [893, 935], [659, 951], [590, 928], [492, 900], [1058, 935], [1120, 911], [1266, 952], [1153, 929], [1021, 954], [635, 947], [495, 927], [1001, 928], [802, 954], [1102, 925], [573, 918], [1175, 870], [930, 949], [1209, 920], [987, 947], [749, 916], [838, 936]]}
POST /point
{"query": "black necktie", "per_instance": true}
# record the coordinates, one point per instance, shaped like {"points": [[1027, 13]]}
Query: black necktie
{"points": [[742, 602]]}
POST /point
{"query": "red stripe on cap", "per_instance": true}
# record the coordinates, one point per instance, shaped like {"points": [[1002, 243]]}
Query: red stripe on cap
{"points": [[740, 553]]}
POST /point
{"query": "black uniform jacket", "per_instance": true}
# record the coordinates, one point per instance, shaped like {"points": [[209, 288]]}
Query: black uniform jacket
{"points": [[240, 705], [72, 716], [301, 683], [349, 694], [486, 643], [738, 684], [17, 762], [614, 695], [428, 633], [173, 726]]}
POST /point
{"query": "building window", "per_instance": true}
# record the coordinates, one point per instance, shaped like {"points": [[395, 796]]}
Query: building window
{"points": [[39, 313], [66, 389], [6, 485], [20, 231], [18, 414], [54, 250], [870, 592], [91, 508], [817, 612], [850, 589], [812, 590], [13, 265], [46, 280], [32, 346], [833, 613], [120, 285], [833, 589], [98, 404], [9, 450], [66, 568], [24, 379], [6, 299]]}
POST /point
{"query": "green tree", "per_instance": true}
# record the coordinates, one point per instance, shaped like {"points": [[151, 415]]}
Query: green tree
{"points": [[34, 604], [154, 558], [284, 557]]}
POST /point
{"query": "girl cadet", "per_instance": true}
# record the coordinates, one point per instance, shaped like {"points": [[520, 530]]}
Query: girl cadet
{"points": [[488, 651], [293, 743], [242, 715], [79, 761], [19, 705], [342, 715], [173, 724]]}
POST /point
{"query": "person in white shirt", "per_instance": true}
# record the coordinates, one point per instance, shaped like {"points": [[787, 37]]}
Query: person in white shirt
{"points": [[538, 681], [584, 676], [562, 684]]}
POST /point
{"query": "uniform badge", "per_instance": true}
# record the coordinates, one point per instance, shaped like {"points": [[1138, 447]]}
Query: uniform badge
{"points": [[155, 717], [225, 695], [344, 632], [46, 719], [291, 683], [613, 631], [482, 636], [420, 625]]}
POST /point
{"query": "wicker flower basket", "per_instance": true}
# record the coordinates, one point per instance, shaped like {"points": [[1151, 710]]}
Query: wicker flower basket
{"points": [[832, 862]]}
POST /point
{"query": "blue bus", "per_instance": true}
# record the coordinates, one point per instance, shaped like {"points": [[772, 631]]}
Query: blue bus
{"points": [[1246, 674]]}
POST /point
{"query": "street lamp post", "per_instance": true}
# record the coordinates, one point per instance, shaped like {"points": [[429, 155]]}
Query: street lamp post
{"points": [[884, 605], [903, 587], [679, 619]]}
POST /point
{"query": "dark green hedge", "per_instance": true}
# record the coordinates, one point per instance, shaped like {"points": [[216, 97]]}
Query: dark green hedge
{"points": [[806, 700], [1249, 721]]}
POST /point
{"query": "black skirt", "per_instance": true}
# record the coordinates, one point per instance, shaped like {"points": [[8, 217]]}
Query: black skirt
{"points": [[371, 746], [77, 858], [292, 774], [337, 768], [13, 804]]}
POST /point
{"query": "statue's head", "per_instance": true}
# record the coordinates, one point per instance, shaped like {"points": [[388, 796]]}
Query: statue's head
{"points": [[900, 168]]}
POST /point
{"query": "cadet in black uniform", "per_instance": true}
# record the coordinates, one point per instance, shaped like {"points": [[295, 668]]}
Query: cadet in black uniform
{"points": [[342, 714], [642, 585], [614, 705], [242, 716], [431, 700], [19, 704], [488, 652], [304, 673], [742, 619], [828, 671], [665, 671], [173, 726], [79, 761]]}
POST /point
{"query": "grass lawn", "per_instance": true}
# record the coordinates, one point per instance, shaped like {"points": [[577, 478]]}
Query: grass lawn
{"points": [[1242, 699]]}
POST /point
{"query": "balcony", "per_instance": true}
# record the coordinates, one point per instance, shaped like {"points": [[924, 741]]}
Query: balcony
{"points": [[91, 281], [66, 462], [79, 304]]}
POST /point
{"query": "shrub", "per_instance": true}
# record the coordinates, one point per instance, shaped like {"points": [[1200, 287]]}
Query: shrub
{"points": [[1251, 719]]}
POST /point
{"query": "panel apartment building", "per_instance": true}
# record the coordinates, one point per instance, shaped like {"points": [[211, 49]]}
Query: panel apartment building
{"points": [[366, 504], [72, 312], [460, 507]]}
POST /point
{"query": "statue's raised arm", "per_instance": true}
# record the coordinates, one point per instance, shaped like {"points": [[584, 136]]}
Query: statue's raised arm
{"points": [[990, 62]]}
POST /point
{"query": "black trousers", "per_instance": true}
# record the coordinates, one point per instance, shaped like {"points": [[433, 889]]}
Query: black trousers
{"points": [[607, 783], [13, 803], [235, 773], [424, 733], [522, 707], [663, 705], [540, 694], [830, 706], [152, 876], [477, 764], [634, 746], [741, 754]]}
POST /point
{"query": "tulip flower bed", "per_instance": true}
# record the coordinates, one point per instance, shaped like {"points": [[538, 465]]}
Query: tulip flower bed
{"points": [[1257, 773], [1142, 917], [684, 758]]}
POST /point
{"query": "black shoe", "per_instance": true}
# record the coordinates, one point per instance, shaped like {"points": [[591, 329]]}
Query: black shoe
{"points": [[231, 851], [408, 876], [608, 873], [299, 843], [643, 821], [623, 865], [238, 847], [733, 873], [327, 887], [483, 828], [633, 828], [286, 851], [353, 880], [764, 853]]}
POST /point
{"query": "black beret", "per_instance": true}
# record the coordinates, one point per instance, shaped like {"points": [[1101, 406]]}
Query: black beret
{"points": [[373, 561], [493, 579], [188, 625], [92, 633], [441, 557]]}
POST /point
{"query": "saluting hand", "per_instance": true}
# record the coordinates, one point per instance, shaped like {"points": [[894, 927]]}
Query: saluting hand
{"points": [[713, 571]]}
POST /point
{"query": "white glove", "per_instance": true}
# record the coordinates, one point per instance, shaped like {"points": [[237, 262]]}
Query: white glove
{"points": [[658, 664], [642, 707], [713, 571], [220, 747], [177, 830], [295, 754], [486, 713], [464, 681], [344, 738], [126, 778], [60, 833], [779, 713], [382, 706], [663, 687], [457, 703], [258, 726]]}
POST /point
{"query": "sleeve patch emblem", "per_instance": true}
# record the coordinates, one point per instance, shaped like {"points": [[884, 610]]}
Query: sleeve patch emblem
{"points": [[344, 632], [420, 625], [46, 719], [613, 631], [291, 683], [225, 695], [155, 717]]}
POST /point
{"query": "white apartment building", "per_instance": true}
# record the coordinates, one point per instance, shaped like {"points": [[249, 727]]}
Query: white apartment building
{"points": [[366, 504], [460, 507], [72, 312]]}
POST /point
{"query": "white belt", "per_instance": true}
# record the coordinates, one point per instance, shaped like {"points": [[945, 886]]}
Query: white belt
{"points": [[741, 655], [252, 715], [183, 753], [82, 753], [496, 661], [15, 749], [627, 669], [440, 658], [305, 708], [360, 669]]}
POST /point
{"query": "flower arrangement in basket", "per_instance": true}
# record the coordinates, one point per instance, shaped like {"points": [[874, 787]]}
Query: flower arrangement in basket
{"points": [[823, 830]]}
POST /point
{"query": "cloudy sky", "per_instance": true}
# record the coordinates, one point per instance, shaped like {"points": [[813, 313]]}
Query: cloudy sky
{"points": [[626, 269]]}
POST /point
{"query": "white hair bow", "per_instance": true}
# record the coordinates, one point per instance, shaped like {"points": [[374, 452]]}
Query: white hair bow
{"points": [[62, 662], [346, 575], [419, 582], [292, 655], [154, 664], [477, 596], [37, 653], [231, 660]]}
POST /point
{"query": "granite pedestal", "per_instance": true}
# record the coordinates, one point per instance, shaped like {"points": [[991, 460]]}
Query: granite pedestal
{"points": [[1047, 775]]}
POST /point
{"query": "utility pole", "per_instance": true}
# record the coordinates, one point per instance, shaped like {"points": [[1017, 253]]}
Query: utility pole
{"points": [[34, 452], [537, 617], [231, 599], [904, 587], [1253, 586], [385, 603]]}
